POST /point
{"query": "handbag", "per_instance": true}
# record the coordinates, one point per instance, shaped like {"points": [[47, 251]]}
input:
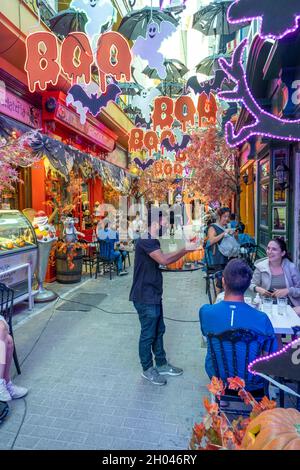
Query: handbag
{"points": [[229, 247]]}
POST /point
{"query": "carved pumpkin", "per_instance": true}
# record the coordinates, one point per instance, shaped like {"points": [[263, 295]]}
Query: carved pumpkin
{"points": [[277, 429]]}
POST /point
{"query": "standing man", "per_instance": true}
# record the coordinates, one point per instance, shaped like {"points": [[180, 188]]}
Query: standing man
{"points": [[146, 294]]}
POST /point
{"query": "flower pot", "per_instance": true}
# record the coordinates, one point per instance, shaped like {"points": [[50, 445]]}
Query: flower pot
{"points": [[66, 275]]}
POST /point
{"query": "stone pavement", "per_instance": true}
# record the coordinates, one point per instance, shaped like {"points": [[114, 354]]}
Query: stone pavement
{"points": [[84, 376]]}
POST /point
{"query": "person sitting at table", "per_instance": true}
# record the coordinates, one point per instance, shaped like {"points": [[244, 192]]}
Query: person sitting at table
{"points": [[277, 275], [233, 313], [244, 238], [8, 391], [109, 233]]}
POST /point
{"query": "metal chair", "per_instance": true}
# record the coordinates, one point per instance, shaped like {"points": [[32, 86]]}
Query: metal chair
{"points": [[213, 272], [105, 259], [226, 359], [89, 259], [250, 254], [6, 310]]}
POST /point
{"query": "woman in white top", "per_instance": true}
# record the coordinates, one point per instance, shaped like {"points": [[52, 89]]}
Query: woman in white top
{"points": [[277, 275]]}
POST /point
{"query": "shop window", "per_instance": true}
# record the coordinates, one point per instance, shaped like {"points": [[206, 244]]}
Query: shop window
{"points": [[264, 205]]}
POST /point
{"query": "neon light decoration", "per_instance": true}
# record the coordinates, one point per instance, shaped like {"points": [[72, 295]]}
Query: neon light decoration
{"points": [[275, 24], [148, 48], [265, 124]]}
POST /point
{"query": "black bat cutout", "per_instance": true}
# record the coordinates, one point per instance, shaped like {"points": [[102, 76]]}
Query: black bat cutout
{"points": [[208, 86], [143, 165], [176, 147], [141, 122], [94, 103]]}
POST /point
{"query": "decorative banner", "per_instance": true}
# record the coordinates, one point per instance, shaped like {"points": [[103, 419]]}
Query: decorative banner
{"points": [[163, 168], [43, 66], [208, 86], [265, 124], [162, 115], [121, 67], [98, 12], [275, 25], [144, 102], [143, 165], [138, 140], [207, 109], [75, 69], [89, 100], [148, 48]]}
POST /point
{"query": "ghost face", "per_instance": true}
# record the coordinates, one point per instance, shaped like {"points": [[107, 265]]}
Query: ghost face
{"points": [[93, 3], [144, 94], [152, 30]]}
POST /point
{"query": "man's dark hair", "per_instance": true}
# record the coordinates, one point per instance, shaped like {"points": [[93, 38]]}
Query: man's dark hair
{"points": [[237, 276], [232, 216], [154, 214]]}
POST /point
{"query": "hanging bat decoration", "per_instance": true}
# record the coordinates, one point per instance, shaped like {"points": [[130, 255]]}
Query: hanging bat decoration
{"points": [[141, 122], [143, 165], [208, 86], [84, 102], [176, 147]]}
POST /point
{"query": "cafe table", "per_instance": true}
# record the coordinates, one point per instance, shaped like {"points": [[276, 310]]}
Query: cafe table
{"points": [[283, 324]]}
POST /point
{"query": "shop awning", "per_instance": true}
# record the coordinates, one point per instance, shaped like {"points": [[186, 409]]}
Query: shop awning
{"points": [[8, 126]]}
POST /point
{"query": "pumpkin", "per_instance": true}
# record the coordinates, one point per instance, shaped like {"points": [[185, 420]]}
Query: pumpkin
{"points": [[277, 429]]}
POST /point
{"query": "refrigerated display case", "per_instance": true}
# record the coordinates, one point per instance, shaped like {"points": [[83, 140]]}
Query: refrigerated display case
{"points": [[18, 252]]}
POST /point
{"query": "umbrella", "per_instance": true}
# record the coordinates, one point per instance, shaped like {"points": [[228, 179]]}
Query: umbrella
{"points": [[175, 70], [210, 64], [171, 88], [68, 21], [135, 23], [212, 19], [130, 89]]}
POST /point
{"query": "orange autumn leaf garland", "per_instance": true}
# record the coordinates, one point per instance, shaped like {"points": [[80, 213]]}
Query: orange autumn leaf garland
{"points": [[216, 431]]}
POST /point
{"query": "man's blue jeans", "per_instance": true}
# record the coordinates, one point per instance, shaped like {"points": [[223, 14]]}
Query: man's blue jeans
{"points": [[116, 255], [152, 331]]}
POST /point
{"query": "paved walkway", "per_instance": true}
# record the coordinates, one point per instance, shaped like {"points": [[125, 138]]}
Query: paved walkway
{"points": [[83, 372]]}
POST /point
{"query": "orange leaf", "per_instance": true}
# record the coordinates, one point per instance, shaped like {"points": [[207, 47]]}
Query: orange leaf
{"points": [[216, 386], [235, 383], [211, 408], [199, 430]]}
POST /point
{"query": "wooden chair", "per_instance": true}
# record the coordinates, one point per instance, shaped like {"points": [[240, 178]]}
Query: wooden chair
{"points": [[6, 310], [227, 355]]}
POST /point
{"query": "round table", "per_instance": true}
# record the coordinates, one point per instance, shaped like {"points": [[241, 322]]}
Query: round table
{"points": [[185, 269]]}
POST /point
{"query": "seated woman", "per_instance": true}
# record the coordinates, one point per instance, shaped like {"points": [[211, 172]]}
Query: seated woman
{"points": [[277, 275], [8, 391]]}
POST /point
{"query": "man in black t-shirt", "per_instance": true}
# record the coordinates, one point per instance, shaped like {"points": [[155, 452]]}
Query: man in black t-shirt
{"points": [[146, 294]]}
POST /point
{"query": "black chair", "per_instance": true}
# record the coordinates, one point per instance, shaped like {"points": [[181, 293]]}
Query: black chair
{"points": [[6, 310], [226, 362], [213, 272], [250, 253], [89, 259], [105, 259]]}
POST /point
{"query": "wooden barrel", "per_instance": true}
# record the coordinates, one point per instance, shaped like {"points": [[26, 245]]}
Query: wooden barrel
{"points": [[64, 274]]}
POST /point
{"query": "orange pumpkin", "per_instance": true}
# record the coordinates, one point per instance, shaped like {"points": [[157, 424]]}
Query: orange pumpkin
{"points": [[277, 429]]}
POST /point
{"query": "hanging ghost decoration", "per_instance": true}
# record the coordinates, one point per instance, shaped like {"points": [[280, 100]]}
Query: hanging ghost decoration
{"points": [[144, 101], [148, 48], [99, 13]]}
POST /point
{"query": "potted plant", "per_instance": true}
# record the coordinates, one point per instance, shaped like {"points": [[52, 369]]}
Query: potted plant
{"points": [[267, 427]]}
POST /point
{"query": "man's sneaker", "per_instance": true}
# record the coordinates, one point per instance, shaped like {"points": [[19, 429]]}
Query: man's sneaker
{"points": [[153, 376], [168, 369], [123, 273], [4, 394], [15, 391]]}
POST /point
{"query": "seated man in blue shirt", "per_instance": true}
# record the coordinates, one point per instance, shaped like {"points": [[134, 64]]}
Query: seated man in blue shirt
{"points": [[233, 313], [109, 233]]}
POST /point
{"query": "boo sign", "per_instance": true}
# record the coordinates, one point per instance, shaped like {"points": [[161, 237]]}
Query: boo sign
{"points": [[46, 58]]}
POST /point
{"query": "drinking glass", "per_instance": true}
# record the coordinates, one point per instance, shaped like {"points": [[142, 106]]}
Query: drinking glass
{"points": [[248, 300], [281, 305], [267, 305]]}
